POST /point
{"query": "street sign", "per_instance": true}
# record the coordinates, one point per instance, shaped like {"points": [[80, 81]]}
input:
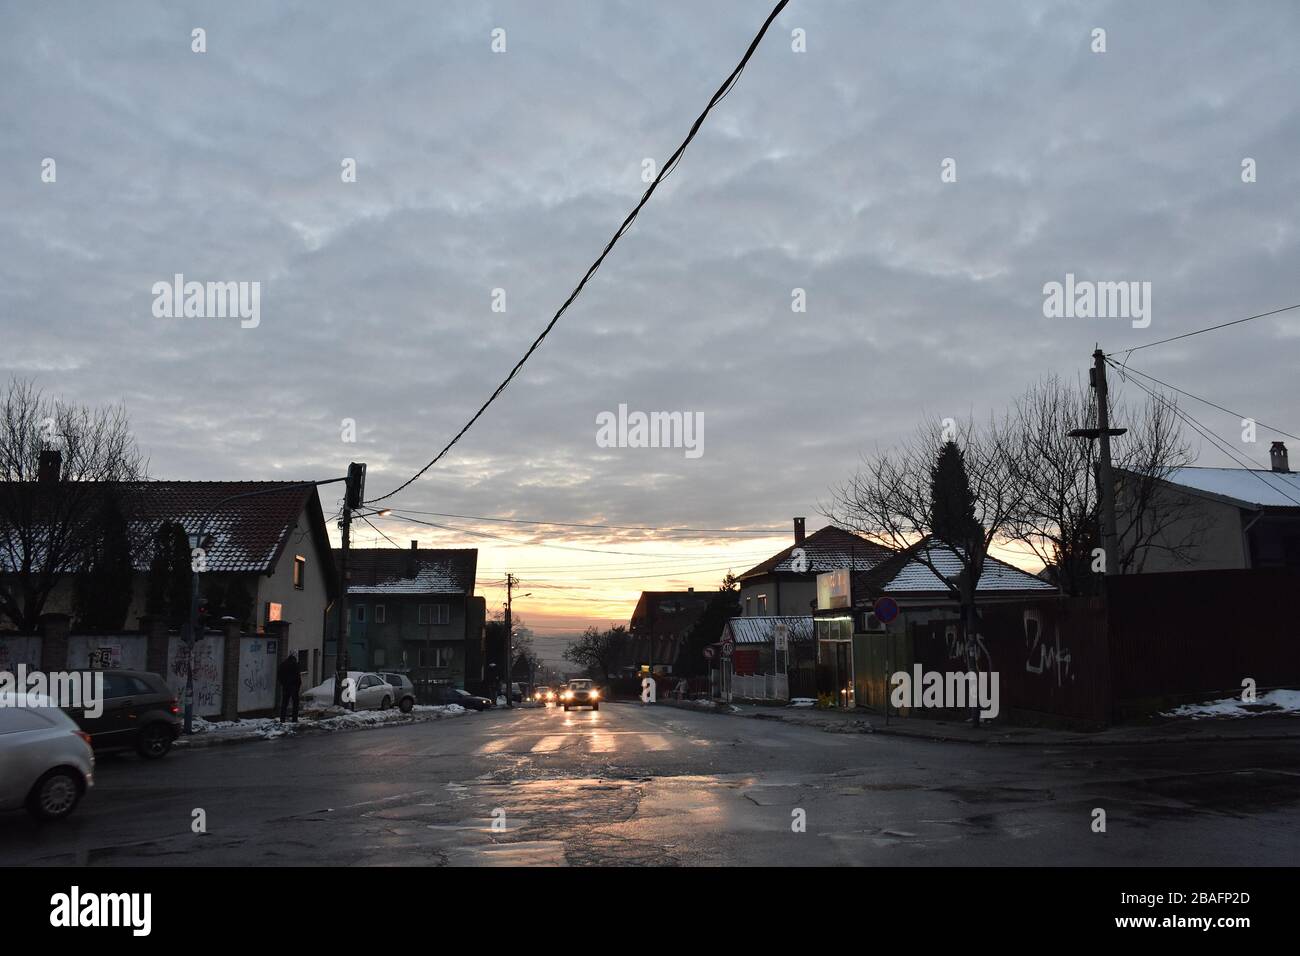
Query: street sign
{"points": [[708, 653], [781, 636], [886, 609], [727, 647]]}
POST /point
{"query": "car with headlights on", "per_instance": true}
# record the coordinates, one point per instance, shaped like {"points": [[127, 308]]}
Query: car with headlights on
{"points": [[580, 693]]}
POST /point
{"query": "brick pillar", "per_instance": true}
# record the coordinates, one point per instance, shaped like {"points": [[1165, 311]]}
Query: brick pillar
{"points": [[155, 647], [230, 630], [54, 642]]}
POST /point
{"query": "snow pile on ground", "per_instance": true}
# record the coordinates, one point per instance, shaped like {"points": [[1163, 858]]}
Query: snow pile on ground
{"points": [[1273, 703], [326, 719]]}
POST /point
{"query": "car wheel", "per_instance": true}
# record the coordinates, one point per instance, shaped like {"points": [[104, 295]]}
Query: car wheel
{"points": [[154, 742], [566, 708], [407, 705], [55, 795], [595, 706], [386, 703]]}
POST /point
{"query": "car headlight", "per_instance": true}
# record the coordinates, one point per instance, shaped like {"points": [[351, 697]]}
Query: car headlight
{"points": [[595, 693]]}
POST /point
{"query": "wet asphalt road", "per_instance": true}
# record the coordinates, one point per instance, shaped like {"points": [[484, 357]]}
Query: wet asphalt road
{"points": [[664, 786]]}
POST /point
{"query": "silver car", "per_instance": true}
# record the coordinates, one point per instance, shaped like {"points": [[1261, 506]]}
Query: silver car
{"points": [[46, 763]]}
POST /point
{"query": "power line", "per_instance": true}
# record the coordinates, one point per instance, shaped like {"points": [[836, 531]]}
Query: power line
{"points": [[1214, 439], [722, 91], [1206, 401], [1187, 335], [602, 527], [379, 532]]}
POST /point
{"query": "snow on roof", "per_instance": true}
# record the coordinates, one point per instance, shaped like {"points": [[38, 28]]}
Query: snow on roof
{"points": [[997, 575], [1251, 486], [418, 571], [433, 577], [760, 630]]}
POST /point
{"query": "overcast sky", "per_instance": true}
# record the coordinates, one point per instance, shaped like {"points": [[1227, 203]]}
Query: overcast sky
{"points": [[479, 170]]}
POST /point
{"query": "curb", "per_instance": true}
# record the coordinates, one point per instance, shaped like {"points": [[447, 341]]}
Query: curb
{"points": [[205, 741], [862, 726]]}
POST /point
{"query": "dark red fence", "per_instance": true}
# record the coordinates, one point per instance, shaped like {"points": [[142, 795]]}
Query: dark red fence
{"points": [[1203, 631]]}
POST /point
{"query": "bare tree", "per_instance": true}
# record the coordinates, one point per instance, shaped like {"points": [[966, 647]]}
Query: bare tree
{"points": [[597, 651], [892, 499], [1059, 517], [49, 530]]}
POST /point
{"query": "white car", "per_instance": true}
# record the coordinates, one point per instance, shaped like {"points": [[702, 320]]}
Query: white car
{"points": [[46, 763], [371, 692]]}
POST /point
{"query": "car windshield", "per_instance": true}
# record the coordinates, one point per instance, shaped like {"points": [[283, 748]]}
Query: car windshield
{"points": [[580, 684]]}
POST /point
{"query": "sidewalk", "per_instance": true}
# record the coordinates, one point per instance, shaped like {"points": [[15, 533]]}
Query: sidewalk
{"points": [[330, 720], [1181, 730]]}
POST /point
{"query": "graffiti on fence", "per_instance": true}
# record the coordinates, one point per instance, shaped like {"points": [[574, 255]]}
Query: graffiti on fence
{"points": [[1043, 657], [958, 646]]}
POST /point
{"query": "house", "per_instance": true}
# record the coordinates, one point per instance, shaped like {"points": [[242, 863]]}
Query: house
{"points": [[856, 649], [765, 661], [1225, 518], [659, 625], [415, 612], [786, 583], [266, 552]]}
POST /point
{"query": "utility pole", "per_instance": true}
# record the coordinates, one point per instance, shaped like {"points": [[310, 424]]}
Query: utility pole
{"points": [[510, 584], [1105, 473], [352, 498]]}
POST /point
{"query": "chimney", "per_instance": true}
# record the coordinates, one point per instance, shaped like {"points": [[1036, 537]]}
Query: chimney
{"points": [[798, 530], [51, 464], [1277, 455], [413, 562]]}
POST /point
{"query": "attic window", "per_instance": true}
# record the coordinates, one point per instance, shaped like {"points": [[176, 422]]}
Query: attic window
{"points": [[762, 604], [299, 572]]}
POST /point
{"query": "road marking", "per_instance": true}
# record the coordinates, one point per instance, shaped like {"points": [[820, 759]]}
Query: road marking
{"points": [[495, 746], [656, 742], [549, 744]]}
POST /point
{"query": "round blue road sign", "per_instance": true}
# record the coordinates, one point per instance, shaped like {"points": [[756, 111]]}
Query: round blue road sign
{"points": [[886, 609]]}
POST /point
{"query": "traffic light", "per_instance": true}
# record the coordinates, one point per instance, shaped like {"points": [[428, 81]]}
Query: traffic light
{"points": [[356, 487]]}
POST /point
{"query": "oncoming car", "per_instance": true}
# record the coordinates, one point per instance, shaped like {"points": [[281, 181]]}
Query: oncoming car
{"points": [[580, 693], [545, 695]]}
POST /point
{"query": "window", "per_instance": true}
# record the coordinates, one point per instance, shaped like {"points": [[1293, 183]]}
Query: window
{"points": [[380, 614], [749, 607], [762, 604], [361, 614], [435, 614], [436, 656], [299, 572]]}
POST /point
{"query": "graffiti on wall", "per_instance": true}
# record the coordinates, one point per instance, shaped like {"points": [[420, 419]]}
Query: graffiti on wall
{"points": [[102, 652], [257, 664], [1044, 657], [208, 661]]}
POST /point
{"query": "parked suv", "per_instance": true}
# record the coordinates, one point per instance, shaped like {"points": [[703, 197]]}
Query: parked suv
{"points": [[46, 763], [140, 713], [403, 690]]}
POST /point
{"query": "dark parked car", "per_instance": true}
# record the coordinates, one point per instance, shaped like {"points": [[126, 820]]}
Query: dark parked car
{"points": [[446, 694], [140, 713]]}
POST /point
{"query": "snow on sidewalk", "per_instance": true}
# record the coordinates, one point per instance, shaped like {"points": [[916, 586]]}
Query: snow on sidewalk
{"points": [[1272, 704], [327, 720]]}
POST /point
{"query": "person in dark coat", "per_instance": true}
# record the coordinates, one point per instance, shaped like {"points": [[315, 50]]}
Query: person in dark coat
{"points": [[290, 684]]}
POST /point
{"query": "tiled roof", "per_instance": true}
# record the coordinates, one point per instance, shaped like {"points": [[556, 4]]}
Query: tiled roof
{"points": [[247, 534], [827, 549], [243, 535], [1254, 487], [422, 571], [905, 574], [760, 630]]}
